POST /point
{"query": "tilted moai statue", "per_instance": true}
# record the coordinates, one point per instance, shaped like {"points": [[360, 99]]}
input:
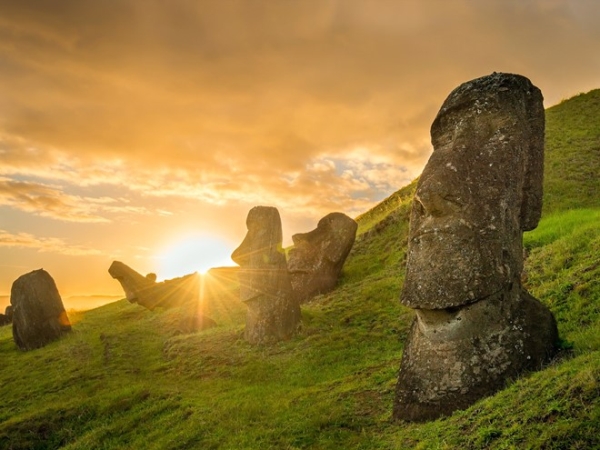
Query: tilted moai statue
{"points": [[146, 292], [316, 260], [132, 282], [475, 326], [273, 309], [38, 314], [182, 292]]}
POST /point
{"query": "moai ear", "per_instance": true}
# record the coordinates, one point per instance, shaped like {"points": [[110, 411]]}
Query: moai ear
{"points": [[531, 203]]}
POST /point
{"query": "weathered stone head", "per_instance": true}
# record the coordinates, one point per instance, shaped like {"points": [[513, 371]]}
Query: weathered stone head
{"points": [[6, 318], [260, 255], [316, 261], [481, 188], [38, 314], [273, 310], [132, 282], [8, 312], [475, 325]]}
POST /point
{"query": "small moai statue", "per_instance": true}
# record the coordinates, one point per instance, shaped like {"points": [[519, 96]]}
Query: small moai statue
{"points": [[316, 260], [273, 309]]}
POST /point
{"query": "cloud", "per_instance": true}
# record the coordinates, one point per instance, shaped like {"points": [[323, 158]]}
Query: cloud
{"points": [[195, 85], [44, 244], [52, 202], [223, 102], [221, 94], [344, 179]]}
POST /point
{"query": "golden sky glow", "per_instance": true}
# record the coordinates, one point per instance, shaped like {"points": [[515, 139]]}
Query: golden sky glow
{"points": [[127, 125]]}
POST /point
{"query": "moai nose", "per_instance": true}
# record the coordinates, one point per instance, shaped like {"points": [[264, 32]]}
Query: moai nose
{"points": [[241, 255], [437, 200]]}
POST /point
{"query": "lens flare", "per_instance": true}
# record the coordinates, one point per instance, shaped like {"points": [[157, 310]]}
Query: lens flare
{"points": [[196, 253]]}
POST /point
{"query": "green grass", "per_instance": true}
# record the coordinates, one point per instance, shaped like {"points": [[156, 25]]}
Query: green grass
{"points": [[131, 378], [376, 216], [564, 269], [128, 378], [573, 154]]}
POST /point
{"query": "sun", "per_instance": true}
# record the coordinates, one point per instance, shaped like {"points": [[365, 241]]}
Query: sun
{"points": [[192, 253]]}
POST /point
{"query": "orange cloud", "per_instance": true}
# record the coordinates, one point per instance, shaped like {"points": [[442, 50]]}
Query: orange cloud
{"points": [[222, 91], [52, 202], [44, 244]]}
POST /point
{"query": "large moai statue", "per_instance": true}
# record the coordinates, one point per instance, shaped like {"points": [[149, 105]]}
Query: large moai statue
{"points": [[316, 260], [38, 314], [273, 309], [475, 326]]}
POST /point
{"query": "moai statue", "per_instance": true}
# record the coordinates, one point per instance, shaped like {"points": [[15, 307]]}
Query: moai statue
{"points": [[133, 283], [273, 309], [146, 292], [182, 292], [38, 314], [316, 260], [475, 326]]}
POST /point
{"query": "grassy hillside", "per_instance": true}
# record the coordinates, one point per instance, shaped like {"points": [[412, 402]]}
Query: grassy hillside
{"points": [[573, 153], [130, 378]]}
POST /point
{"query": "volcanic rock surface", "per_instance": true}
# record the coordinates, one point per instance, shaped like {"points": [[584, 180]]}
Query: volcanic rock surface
{"points": [[265, 287], [316, 260], [38, 314], [475, 325]]}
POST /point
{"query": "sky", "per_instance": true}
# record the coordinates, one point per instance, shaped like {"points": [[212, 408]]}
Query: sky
{"points": [[145, 130]]}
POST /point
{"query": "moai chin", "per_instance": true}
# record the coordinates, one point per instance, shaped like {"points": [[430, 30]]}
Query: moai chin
{"points": [[273, 309], [475, 325], [316, 260]]}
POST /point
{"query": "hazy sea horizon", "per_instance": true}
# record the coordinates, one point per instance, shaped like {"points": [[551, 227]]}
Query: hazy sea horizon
{"points": [[77, 302]]}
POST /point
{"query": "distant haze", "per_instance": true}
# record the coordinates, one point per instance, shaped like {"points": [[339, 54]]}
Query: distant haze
{"points": [[135, 130], [80, 303]]}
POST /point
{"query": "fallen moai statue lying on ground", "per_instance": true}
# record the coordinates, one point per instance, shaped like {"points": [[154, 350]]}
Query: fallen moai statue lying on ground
{"points": [[177, 292]]}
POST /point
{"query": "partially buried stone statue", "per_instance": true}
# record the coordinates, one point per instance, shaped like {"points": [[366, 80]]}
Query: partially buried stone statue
{"points": [[475, 326], [38, 314], [6, 318], [146, 292], [273, 309], [181, 292], [316, 260]]}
